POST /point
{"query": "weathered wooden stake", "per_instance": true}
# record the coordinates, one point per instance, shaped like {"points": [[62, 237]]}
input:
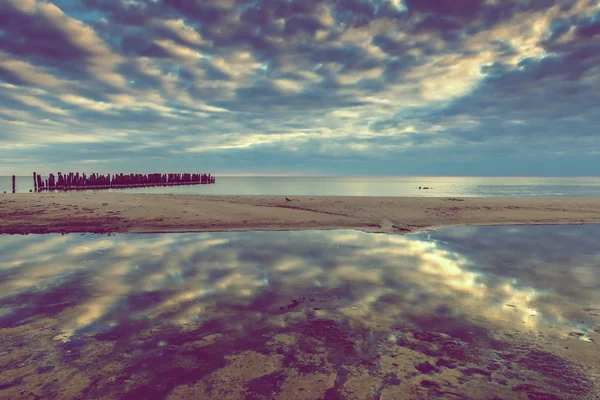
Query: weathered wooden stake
{"points": [[81, 181], [13, 184]]}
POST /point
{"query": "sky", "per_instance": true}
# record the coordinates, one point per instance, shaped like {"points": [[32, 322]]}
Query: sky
{"points": [[301, 87]]}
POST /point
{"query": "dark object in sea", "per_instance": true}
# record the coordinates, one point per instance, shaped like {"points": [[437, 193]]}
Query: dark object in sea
{"points": [[77, 181]]}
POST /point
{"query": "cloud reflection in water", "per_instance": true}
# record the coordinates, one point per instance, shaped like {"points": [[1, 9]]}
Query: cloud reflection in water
{"points": [[539, 279]]}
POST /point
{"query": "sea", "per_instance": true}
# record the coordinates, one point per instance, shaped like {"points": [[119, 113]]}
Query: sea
{"points": [[395, 186]]}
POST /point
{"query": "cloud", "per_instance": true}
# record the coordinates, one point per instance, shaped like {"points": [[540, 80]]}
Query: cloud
{"points": [[464, 9], [24, 73], [262, 71], [180, 30], [44, 33], [38, 103]]}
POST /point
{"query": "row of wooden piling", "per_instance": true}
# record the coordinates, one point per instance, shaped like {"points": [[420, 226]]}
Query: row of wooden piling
{"points": [[77, 181]]}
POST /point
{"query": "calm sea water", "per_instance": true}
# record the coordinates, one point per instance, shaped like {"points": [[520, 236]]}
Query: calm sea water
{"points": [[377, 186], [513, 311]]}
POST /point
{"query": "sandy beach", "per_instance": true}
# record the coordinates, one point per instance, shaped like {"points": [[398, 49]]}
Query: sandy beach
{"points": [[143, 213], [466, 313]]}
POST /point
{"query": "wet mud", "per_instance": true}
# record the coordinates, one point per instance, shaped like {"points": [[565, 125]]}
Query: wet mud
{"points": [[310, 359]]}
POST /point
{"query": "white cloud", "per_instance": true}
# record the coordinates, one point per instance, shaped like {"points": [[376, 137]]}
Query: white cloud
{"points": [[40, 104], [102, 62], [30, 73], [181, 30]]}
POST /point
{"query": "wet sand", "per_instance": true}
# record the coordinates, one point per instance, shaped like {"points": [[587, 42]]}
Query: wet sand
{"points": [[301, 315], [138, 213]]}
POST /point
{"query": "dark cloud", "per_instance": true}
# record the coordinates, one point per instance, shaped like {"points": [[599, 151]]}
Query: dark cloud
{"points": [[209, 12], [355, 13], [460, 9], [121, 12], [139, 45], [301, 24], [36, 37], [11, 77], [591, 29], [438, 23], [348, 56]]}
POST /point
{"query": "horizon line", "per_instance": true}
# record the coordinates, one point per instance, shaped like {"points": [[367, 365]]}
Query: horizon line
{"points": [[229, 175]]}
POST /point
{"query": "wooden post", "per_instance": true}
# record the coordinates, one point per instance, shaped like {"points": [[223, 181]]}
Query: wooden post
{"points": [[81, 181]]}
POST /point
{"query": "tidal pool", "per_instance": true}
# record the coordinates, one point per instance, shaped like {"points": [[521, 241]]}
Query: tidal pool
{"points": [[470, 312]]}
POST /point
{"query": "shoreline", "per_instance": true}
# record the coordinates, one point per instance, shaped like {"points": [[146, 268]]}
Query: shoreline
{"points": [[99, 212]]}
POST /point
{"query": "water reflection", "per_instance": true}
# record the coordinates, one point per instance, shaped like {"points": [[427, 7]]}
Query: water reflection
{"points": [[328, 309], [552, 272]]}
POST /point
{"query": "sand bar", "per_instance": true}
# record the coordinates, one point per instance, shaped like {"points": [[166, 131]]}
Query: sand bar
{"points": [[139, 213]]}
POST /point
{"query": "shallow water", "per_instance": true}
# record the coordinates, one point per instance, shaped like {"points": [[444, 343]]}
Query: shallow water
{"points": [[401, 186], [471, 312]]}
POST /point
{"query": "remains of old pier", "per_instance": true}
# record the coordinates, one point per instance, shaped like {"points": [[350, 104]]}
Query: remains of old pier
{"points": [[77, 181]]}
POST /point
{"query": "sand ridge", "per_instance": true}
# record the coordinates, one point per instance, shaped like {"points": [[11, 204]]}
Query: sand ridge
{"points": [[107, 212]]}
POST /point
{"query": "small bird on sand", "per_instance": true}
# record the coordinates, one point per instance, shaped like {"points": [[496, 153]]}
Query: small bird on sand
{"points": [[288, 199]]}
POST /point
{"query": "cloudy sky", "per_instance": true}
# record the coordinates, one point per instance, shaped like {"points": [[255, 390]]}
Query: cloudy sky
{"points": [[469, 87]]}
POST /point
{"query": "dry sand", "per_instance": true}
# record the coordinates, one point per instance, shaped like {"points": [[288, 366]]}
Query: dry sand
{"points": [[126, 212]]}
